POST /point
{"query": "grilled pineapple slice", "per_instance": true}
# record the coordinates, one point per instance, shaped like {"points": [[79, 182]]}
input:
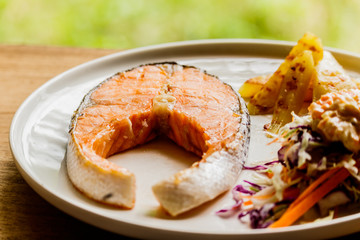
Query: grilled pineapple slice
{"points": [[293, 89], [307, 73], [253, 85], [264, 100]]}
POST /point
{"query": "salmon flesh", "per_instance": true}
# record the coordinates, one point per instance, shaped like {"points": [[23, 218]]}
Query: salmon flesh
{"points": [[194, 109]]}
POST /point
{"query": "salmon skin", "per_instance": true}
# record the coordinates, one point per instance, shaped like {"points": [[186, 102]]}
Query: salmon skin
{"points": [[194, 109]]}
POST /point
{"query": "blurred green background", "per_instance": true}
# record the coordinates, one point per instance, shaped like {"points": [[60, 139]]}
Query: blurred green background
{"points": [[124, 24]]}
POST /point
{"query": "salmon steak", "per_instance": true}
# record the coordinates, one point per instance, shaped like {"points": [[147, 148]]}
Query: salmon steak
{"points": [[194, 109]]}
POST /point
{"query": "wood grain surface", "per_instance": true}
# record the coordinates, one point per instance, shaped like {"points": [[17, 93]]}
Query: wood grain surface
{"points": [[23, 213]]}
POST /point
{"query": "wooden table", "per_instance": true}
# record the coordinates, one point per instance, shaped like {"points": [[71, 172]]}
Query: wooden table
{"points": [[23, 213]]}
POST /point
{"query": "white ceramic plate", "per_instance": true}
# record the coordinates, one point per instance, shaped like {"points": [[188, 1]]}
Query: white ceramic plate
{"points": [[38, 138]]}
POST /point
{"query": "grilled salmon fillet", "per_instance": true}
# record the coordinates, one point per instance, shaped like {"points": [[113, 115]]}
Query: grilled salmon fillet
{"points": [[194, 109]]}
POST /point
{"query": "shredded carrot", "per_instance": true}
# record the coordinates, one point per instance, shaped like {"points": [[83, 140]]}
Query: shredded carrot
{"points": [[270, 174], [311, 196], [247, 203], [273, 141], [314, 185], [258, 197], [245, 196], [263, 196]]}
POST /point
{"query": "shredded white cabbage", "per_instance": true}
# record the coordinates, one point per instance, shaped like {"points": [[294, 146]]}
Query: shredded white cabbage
{"points": [[303, 155], [278, 183], [349, 164]]}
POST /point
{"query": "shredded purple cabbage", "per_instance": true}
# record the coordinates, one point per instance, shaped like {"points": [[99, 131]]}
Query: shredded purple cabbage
{"points": [[258, 167], [261, 167], [238, 201], [316, 147], [258, 187], [259, 218], [240, 188], [305, 127], [225, 213], [291, 158]]}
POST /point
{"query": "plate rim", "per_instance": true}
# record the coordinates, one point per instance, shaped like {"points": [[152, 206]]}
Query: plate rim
{"points": [[65, 205]]}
